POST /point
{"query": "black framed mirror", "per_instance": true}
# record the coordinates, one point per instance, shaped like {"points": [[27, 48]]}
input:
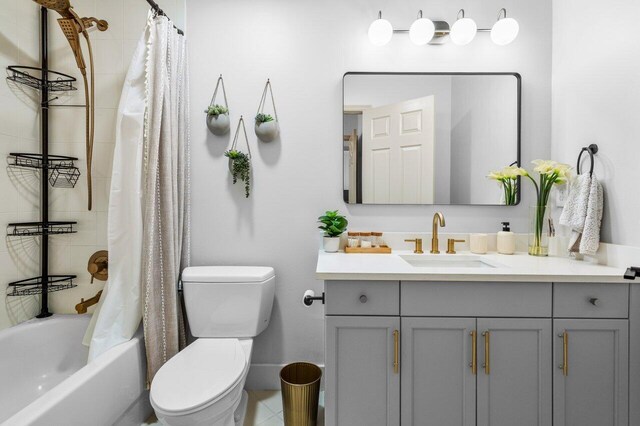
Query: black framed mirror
{"points": [[429, 138]]}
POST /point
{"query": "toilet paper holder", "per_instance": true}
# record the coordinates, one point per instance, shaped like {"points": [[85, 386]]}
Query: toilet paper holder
{"points": [[310, 297]]}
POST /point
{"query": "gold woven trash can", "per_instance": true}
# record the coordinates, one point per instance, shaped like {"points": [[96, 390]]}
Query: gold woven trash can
{"points": [[300, 384]]}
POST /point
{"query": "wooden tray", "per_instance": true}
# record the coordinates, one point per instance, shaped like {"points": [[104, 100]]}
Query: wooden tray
{"points": [[372, 250]]}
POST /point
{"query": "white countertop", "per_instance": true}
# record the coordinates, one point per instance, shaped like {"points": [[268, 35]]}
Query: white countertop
{"points": [[519, 267]]}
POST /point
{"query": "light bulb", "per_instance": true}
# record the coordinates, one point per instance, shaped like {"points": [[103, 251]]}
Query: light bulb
{"points": [[422, 31], [505, 31], [463, 31], [380, 31]]}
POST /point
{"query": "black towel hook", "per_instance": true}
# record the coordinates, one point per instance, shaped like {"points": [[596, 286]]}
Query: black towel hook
{"points": [[592, 150]]}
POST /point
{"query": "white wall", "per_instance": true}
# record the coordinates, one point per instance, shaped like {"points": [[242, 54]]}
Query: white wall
{"points": [[305, 47], [596, 99], [19, 131]]}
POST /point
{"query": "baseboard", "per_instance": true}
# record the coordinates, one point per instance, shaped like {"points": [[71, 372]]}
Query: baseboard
{"points": [[267, 377]]}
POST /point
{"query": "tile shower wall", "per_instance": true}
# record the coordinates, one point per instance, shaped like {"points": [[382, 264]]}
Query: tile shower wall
{"points": [[305, 47], [19, 131]]}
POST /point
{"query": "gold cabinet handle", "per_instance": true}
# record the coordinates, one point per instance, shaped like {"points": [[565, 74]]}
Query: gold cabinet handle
{"points": [[487, 352], [474, 352], [396, 351], [565, 353]]}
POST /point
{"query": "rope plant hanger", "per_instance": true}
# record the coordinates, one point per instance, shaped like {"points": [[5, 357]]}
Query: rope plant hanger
{"points": [[240, 162], [267, 128], [218, 115]]}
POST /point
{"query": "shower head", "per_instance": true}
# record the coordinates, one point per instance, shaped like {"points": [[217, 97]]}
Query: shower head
{"points": [[61, 6], [71, 30]]}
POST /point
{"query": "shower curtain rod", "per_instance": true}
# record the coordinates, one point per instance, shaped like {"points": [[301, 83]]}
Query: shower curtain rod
{"points": [[156, 8]]}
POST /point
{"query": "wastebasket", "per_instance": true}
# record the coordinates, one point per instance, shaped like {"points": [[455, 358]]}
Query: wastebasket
{"points": [[300, 384]]}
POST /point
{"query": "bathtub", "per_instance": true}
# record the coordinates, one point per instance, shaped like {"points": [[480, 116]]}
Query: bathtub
{"points": [[45, 379]]}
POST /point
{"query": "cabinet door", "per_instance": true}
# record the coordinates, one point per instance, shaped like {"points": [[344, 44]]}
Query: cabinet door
{"points": [[362, 385], [515, 372], [438, 383], [591, 375]]}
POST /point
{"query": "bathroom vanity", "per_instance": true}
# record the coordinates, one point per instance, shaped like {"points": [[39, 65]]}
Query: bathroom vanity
{"points": [[491, 340]]}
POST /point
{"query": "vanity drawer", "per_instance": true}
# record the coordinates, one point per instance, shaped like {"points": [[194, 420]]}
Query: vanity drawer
{"points": [[468, 299], [591, 300], [380, 298]]}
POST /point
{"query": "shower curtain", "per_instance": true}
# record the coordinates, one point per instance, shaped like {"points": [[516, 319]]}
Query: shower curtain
{"points": [[149, 213]]}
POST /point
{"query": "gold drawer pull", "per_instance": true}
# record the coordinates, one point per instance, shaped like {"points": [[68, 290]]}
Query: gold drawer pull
{"points": [[474, 352], [565, 353], [487, 352], [396, 351]]}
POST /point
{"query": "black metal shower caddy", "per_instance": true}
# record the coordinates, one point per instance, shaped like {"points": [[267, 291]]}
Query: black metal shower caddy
{"points": [[56, 170]]}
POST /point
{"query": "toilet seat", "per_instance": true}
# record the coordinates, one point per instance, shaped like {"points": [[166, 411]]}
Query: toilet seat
{"points": [[200, 375]]}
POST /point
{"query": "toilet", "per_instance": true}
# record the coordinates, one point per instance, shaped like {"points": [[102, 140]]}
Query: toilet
{"points": [[227, 306]]}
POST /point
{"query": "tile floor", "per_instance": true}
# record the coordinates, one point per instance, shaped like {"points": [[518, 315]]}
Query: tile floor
{"points": [[264, 409]]}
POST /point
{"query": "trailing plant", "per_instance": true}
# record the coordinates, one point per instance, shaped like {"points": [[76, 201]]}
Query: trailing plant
{"points": [[240, 168], [263, 118], [216, 110], [333, 224]]}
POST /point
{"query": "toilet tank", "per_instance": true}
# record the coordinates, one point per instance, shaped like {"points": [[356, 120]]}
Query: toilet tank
{"points": [[228, 301]]}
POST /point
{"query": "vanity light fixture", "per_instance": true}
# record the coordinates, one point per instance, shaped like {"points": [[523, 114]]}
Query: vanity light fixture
{"points": [[422, 30], [505, 30], [464, 30], [380, 31], [426, 31]]}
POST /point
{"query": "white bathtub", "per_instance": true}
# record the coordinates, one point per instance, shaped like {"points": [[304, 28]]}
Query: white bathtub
{"points": [[45, 379]]}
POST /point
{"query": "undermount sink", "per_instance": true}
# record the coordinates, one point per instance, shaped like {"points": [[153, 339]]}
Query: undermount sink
{"points": [[446, 261]]}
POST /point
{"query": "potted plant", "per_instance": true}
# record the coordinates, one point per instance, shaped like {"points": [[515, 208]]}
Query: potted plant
{"points": [[333, 225], [218, 119], [266, 127], [240, 167]]}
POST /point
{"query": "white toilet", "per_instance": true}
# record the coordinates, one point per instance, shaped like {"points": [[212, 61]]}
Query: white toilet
{"points": [[203, 385]]}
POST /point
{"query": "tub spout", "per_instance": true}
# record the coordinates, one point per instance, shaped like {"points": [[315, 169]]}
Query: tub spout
{"points": [[81, 307]]}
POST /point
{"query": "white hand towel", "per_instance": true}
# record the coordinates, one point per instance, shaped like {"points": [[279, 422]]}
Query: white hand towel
{"points": [[590, 239], [574, 213], [583, 214]]}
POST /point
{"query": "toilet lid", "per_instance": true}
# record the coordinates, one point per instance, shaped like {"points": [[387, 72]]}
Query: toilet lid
{"points": [[200, 374]]}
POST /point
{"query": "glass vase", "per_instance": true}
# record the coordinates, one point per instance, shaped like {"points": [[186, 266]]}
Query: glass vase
{"points": [[539, 231]]}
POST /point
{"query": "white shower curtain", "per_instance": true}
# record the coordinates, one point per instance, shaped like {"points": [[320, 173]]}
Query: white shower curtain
{"points": [[149, 201]]}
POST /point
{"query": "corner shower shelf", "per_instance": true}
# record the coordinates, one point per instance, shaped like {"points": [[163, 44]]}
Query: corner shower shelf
{"points": [[56, 81], [30, 229], [63, 172], [33, 286]]}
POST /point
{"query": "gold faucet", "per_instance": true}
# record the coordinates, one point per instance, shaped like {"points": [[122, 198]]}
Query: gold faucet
{"points": [[81, 307], [437, 218]]}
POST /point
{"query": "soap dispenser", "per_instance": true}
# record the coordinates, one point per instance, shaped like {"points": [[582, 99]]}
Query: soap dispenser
{"points": [[506, 240]]}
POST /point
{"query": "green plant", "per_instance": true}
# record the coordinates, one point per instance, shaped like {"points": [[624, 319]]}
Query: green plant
{"points": [[333, 224], [263, 118], [240, 168], [509, 180], [216, 110]]}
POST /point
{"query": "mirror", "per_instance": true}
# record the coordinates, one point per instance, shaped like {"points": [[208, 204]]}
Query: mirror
{"points": [[429, 138]]}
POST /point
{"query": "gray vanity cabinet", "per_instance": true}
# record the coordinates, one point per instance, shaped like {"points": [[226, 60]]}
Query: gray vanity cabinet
{"points": [[362, 370], [402, 353], [592, 372], [514, 372], [438, 383]]}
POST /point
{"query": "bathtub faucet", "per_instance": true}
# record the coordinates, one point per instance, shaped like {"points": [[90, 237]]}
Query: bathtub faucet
{"points": [[81, 307]]}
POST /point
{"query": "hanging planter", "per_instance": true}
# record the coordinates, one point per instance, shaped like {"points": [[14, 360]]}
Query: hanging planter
{"points": [[218, 115], [239, 161], [267, 128]]}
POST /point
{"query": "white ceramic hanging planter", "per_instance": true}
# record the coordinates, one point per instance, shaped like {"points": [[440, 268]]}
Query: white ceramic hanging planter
{"points": [[219, 124], [218, 121], [266, 127], [240, 162], [268, 131]]}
